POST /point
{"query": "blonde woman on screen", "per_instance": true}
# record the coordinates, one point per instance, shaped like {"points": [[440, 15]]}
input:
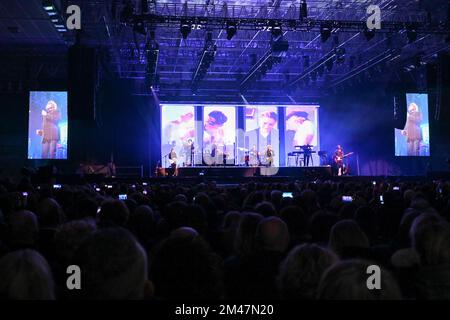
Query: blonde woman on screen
{"points": [[412, 130]]}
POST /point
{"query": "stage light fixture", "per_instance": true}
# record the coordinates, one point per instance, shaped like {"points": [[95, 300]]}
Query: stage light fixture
{"points": [[340, 55], [329, 64], [369, 34], [185, 29], [144, 6], [139, 27], [320, 70], [127, 12], [325, 31], [306, 62], [411, 33], [276, 29], [231, 29], [303, 10]]}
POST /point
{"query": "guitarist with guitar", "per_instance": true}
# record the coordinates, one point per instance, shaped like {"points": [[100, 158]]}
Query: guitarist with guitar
{"points": [[338, 158]]}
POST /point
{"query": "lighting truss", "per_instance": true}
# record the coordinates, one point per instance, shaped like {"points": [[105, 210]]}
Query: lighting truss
{"points": [[152, 54], [207, 57], [272, 57], [54, 15], [297, 25]]}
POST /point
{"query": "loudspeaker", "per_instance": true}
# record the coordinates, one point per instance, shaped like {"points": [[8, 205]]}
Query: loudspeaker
{"points": [[82, 84]]}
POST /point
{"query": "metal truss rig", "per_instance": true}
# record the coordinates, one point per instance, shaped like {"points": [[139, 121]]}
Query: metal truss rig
{"points": [[299, 25]]}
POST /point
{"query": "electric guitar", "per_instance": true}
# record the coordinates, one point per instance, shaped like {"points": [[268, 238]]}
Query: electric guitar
{"points": [[339, 159]]}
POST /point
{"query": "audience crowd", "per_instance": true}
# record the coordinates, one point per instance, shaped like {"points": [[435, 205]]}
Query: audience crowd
{"points": [[205, 241]]}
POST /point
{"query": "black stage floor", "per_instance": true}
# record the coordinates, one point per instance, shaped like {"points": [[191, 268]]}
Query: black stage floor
{"points": [[241, 172]]}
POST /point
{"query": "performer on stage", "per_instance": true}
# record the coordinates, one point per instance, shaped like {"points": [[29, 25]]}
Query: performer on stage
{"points": [[269, 156], [338, 158], [214, 154], [254, 157], [50, 130], [173, 162], [189, 153]]}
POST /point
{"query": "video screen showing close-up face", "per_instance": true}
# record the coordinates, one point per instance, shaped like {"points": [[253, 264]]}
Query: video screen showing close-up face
{"points": [[261, 133], [219, 131], [302, 127]]}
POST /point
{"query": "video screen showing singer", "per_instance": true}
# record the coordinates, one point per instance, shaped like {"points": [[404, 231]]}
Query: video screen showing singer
{"points": [[47, 130]]}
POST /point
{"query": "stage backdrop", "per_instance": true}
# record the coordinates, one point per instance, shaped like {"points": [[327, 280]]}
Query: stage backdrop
{"points": [[283, 127], [47, 126], [178, 127], [414, 138], [261, 130]]}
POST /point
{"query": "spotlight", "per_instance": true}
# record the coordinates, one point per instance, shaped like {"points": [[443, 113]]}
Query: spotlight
{"points": [[340, 55], [303, 10], [329, 64], [144, 6], [127, 12], [185, 29], [231, 29], [139, 27], [325, 31], [305, 62], [369, 34], [276, 29], [411, 33], [320, 71]]}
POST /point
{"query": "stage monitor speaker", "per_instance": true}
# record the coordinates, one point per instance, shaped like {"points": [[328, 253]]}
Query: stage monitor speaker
{"points": [[82, 72]]}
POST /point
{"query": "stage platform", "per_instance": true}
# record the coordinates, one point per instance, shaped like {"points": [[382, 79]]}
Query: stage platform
{"points": [[245, 172]]}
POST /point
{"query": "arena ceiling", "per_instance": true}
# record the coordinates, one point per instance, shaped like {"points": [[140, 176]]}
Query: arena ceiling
{"points": [[27, 33]]}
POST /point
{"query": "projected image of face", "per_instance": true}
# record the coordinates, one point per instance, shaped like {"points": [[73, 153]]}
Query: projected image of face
{"points": [[303, 127], [268, 122], [214, 132]]}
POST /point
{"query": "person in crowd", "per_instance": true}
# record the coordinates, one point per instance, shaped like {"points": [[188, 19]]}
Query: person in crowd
{"points": [[301, 271], [113, 266], [26, 275], [347, 280]]}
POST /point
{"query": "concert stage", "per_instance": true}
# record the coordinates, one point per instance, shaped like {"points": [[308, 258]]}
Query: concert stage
{"points": [[242, 172]]}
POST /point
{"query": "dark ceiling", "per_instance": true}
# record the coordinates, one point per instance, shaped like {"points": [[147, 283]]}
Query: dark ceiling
{"points": [[32, 48]]}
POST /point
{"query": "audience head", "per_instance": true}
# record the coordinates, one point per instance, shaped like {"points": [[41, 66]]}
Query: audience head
{"points": [[348, 280], [245, 236], [113, 265], [114, 213], [50, 214], [23, 229], [272, 234], [302, 269], [431, 240], [25, 275], [347, 234], [185, 267]]}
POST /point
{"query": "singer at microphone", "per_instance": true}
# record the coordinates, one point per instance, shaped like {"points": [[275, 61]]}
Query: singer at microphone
{"points": [[50, 130]]}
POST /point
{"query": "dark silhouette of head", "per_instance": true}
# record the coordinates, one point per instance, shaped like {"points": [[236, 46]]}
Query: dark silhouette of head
{"points": [[113, 265]]}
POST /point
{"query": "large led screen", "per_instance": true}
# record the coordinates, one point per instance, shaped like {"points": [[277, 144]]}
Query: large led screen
{"points": [[414, 138], [47, 125]]}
